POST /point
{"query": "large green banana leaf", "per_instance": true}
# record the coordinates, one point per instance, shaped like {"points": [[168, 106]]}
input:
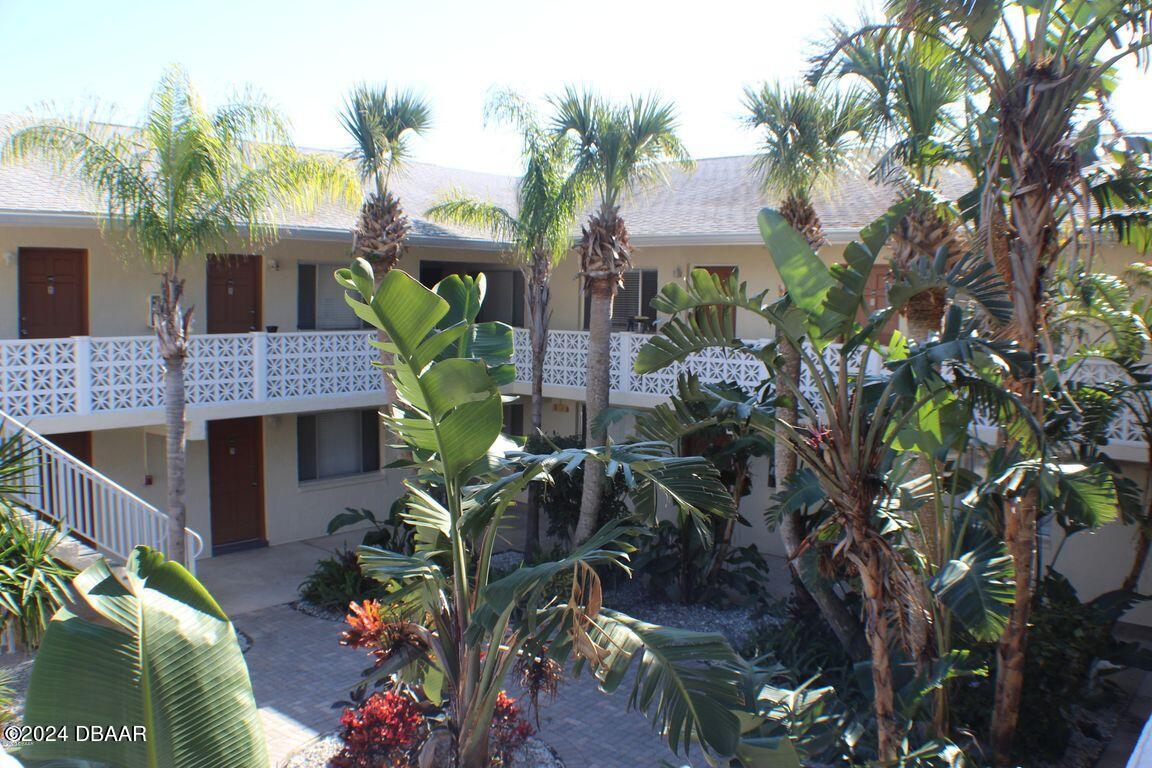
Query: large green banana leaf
{"points": [[156, 651]]}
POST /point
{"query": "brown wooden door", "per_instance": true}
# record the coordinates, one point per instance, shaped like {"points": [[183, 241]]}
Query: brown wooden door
{"points": [[236, 477], [233, 294], [53, 293]]}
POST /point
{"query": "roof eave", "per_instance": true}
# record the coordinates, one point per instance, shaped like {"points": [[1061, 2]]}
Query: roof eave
{"points": [[83, 220]]}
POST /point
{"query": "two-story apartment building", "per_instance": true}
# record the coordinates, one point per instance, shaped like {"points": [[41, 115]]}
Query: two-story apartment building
{"points": [[282, 422]]}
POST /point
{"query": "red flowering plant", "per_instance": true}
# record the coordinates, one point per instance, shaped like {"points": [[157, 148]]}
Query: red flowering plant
{"points": [[454, 630], [509, 730], [386, 730]]}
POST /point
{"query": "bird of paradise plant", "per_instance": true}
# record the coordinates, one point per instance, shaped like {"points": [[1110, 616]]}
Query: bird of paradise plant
{"points": [[459, 630]]}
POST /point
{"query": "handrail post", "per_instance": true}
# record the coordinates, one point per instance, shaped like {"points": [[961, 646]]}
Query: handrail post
{"points": [[82, 353], [259, 365]]}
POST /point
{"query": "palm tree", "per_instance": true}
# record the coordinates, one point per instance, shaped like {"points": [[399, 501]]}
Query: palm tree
{"points": [[380, 123], [1041, 64], [186, 183], [538, 235], [810, 136], [619, 147], [914, 89]]}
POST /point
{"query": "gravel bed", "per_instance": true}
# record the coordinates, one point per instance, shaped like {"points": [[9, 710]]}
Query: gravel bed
{"points": [[1092, 730], [737, 623], [534, 754], [315, 611]]}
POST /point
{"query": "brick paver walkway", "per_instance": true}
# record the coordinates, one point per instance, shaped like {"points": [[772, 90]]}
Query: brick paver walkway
{"points": [[298, 670]]}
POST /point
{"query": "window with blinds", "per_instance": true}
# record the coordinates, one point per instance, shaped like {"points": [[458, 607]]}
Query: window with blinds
{"points": [[337, 444], [320, 300], [633, 305]]}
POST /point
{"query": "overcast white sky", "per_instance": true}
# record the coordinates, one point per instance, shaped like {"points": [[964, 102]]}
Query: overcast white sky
{"points": [[306, 55]]}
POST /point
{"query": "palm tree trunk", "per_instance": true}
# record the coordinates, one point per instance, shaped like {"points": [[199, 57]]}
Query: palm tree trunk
{"points": [[1031, 217], [1143, 543], [1020, 537], [537, 299], [603, 292], [175, 455], [172, 337], [877, 629]]}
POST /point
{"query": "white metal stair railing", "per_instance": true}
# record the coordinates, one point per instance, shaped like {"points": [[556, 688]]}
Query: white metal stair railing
{"points": [[96, 509]]}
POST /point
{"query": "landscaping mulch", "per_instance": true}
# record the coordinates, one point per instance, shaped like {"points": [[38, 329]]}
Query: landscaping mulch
{"points": [[738, 623]]}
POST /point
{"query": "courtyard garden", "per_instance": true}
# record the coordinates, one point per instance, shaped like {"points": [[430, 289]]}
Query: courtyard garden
{"points": [[929, 455]]}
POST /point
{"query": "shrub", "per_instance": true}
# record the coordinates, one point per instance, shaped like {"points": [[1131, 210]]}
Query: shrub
{"points": [[389, 533], [386, 730], [33, 583], [338, 581], [676, 564], [509, 730], [1066, 641]]}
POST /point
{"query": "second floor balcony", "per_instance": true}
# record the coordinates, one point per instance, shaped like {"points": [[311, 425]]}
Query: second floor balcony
{"points": [[83, 383]]}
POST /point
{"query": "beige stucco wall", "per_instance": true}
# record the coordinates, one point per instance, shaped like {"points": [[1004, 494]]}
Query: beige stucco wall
{"points": [[119, 282], [292, 510]]}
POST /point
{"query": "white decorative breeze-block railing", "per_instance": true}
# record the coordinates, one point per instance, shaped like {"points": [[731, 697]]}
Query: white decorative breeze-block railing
{"points": [[65, 490], [94, 375], [84, 376]]}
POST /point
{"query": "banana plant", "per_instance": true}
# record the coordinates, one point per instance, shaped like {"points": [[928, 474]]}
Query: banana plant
{"points": [[152, 657], [455, 629], [865, 405]]}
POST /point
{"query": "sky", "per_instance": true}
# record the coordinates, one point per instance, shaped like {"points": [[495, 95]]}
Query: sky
{"points": [[306, 56]]}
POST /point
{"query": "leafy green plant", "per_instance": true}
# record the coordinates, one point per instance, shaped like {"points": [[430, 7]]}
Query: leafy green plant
{"points": [[684, 560], [390, 532], [871, 402], [33, 583], [154, 650], [1070, 643], [560, 497], [337, 581], [457, 631]]}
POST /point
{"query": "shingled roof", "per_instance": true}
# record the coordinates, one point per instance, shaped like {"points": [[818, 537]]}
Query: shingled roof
{"points": [[714, 204]]}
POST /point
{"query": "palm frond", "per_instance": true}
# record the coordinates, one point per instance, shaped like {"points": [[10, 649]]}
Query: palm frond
{"points": [[457, 208]]}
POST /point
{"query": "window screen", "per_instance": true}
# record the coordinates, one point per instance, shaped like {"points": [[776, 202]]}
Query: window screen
{"points": [[633, 299], [337, 444], [320, 300]]}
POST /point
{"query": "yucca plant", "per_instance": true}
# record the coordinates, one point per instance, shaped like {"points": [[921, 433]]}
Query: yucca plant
{"points": [[33, 582], [459, 630], [810, 137], [187, 183], [619, 147], [871, 404], [538, 235]]}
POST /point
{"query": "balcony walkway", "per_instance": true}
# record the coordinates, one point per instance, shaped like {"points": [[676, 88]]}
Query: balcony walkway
{"points": [[83, 383]]}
